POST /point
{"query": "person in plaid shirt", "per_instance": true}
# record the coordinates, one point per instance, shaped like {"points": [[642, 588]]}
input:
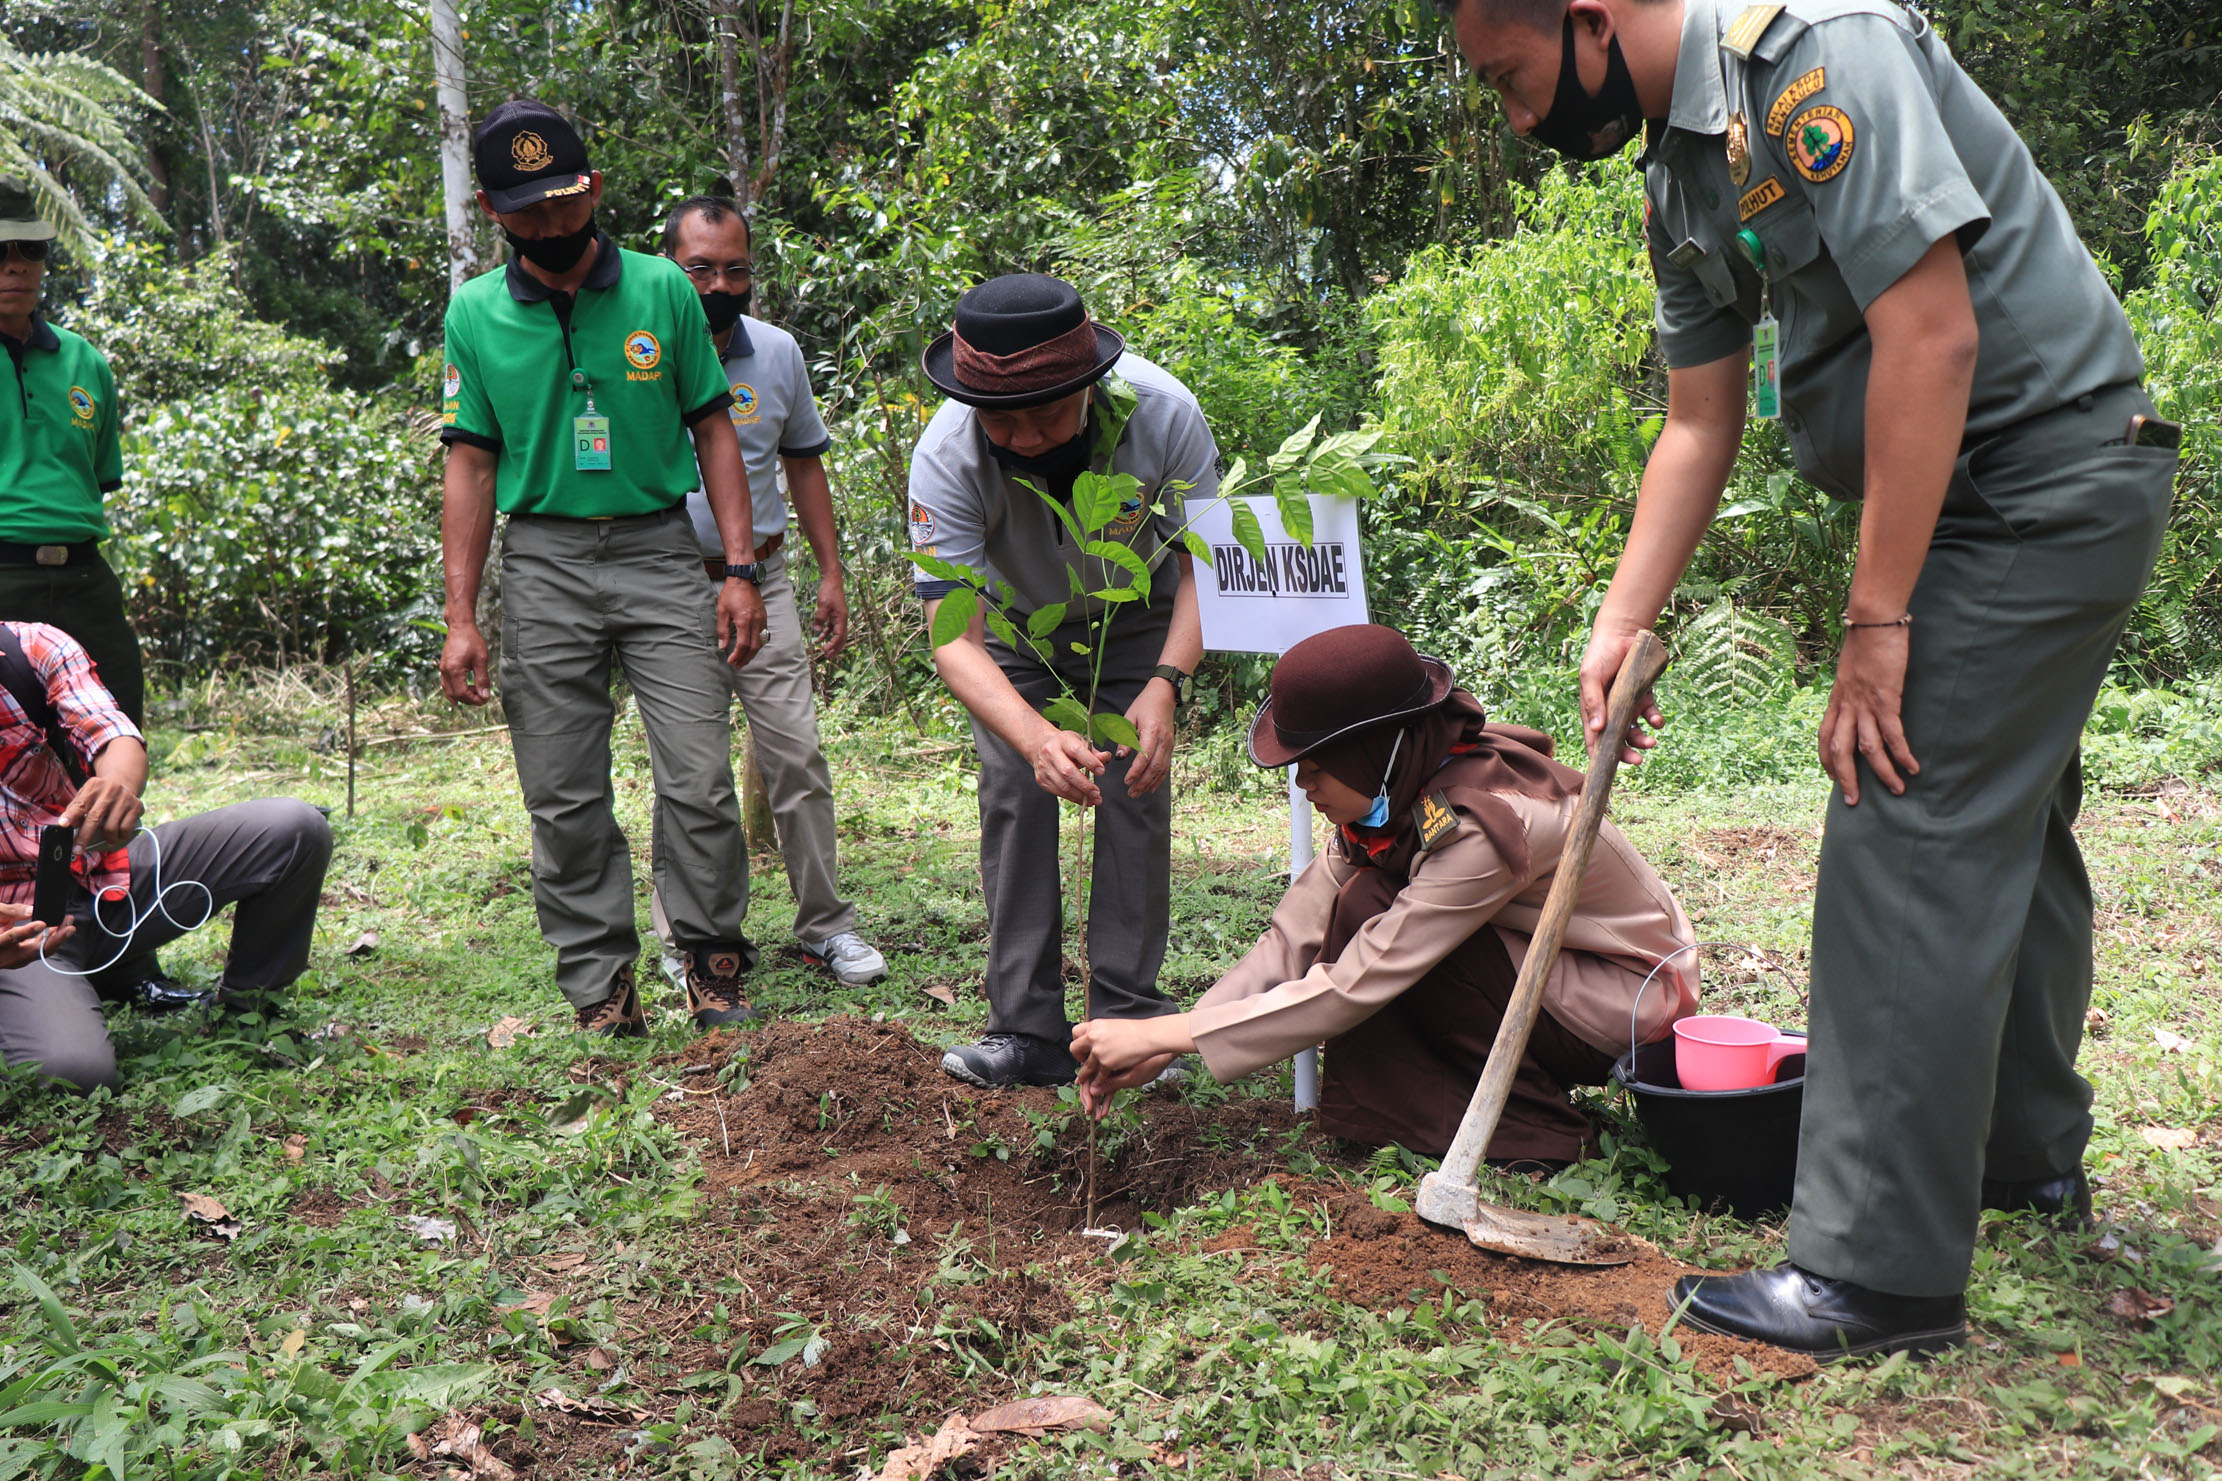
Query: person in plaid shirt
{"points": [[267, 855]]}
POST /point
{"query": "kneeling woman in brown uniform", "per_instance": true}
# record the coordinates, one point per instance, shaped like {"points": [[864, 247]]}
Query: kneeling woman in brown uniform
{"points": [[1399, 946]]}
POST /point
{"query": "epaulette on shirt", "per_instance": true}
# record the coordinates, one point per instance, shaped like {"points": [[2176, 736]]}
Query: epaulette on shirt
{"points": [[1762, 33]]}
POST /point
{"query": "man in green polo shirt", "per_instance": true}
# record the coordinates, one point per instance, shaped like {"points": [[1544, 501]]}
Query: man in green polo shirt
{"points": [[60, 452], [572, 378]]}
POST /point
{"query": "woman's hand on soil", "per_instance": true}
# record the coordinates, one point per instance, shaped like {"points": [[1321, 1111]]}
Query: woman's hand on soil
{"points": [[1608, 649], [1863, 714], [1066, 766], [1151, 715]]}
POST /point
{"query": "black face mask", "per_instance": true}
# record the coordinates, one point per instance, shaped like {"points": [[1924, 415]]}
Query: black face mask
{"points": [[553, 254], [1056, 470], [725, 309], [1582, 126]]}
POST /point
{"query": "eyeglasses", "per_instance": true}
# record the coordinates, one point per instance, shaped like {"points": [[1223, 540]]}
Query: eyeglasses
{"points": [[710, 272], [28, 251]]}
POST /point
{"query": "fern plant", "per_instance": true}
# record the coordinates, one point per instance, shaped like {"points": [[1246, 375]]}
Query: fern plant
{"points": [[62, 112], [1732, 655]]}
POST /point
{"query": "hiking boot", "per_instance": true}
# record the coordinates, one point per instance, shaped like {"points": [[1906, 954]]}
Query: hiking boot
{"points": [[715, 974], [849, 956], [618, 1016], [1000, 1061]]}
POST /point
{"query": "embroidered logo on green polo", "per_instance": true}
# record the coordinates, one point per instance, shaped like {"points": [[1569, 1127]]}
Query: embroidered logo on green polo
{"points": [[1778, 112], [451, 383], [744, 402], [81, 406], [643, 350], [1434, 818], [1758, 198], [1820, 143]]}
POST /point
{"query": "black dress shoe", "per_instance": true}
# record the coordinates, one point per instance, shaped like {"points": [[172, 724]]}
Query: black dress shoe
{"points": [[1000, 1061], [2065, 1199], [1822, 1318], [166, 995]]}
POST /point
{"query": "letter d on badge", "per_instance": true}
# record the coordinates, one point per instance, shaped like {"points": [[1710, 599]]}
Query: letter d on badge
{"points": [[590, 444]]}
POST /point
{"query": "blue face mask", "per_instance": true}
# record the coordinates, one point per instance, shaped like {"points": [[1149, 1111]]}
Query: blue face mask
{"points": [[1378, 814]]}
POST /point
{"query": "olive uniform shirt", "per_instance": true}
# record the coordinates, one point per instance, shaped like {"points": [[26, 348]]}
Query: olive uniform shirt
{"points": [[523, 362], [1866, 145], [60, 439]]}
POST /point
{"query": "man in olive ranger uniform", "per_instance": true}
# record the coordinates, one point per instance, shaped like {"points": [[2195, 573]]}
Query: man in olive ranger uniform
{"points": [[1832, 203]]}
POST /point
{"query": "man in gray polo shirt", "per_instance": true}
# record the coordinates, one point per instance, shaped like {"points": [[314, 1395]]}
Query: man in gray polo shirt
{"points": [[1039, 392], [1834, 205], [783, 441]]}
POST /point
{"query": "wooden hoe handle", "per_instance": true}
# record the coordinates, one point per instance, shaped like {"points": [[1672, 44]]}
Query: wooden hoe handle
{"points": [[1645, 661]]}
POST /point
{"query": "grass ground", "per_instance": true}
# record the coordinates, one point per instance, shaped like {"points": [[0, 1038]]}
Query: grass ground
{"points": [[788, 1251]]}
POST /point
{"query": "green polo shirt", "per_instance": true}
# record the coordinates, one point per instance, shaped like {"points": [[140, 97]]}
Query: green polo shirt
{"points": [[634, 333], [60, 439]]}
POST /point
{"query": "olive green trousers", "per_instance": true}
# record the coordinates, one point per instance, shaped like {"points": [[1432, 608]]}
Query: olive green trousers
{"points": [[1952, 925]]}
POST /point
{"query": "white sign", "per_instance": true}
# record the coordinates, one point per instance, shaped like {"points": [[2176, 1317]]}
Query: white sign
{"points": [[1300, 588]]}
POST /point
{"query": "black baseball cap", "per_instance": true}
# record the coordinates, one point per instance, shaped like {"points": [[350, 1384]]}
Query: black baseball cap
{"points": [[526, 152]]}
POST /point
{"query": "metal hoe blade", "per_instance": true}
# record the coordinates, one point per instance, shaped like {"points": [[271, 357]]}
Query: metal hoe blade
{"points": [[1562, 1239]]}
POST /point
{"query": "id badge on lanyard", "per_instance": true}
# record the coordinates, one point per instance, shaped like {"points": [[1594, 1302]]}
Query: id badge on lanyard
{"points": [[1766, 338], [590, 435]]}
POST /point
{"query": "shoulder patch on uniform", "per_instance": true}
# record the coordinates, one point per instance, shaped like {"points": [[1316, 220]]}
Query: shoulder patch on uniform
{"points": [[1744, 32], [1779, 111], [1435, 819], [1820, 143], [921, 526], [1758, 198]]}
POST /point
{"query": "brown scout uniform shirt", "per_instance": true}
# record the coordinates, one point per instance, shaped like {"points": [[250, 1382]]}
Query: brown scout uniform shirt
{"points": [[1276, 1001]]}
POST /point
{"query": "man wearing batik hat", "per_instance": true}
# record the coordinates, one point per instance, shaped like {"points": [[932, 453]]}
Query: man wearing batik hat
{"points": [[573, 377], [1038, 394]]}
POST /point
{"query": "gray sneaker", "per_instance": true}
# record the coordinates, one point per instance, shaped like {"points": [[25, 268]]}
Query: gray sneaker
{"points": [[849, 956]]}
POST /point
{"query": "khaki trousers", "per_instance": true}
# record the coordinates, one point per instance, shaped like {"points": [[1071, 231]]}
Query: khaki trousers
{"points": [[776, 700], [1952, 925], [577, 595]]}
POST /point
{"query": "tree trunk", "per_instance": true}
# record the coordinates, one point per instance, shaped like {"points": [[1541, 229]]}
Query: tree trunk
{"points": [[726, 21], [463, 256], [150, 78]]}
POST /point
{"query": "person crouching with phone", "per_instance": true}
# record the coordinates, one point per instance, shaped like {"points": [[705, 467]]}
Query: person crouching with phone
{"points": [[70, 760]]}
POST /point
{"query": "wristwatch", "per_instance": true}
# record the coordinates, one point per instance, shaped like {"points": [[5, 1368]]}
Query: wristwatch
{"points": [[1174, 677], [750, 571]]}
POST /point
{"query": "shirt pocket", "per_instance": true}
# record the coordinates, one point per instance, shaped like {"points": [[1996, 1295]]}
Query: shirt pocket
{"points": [[1791, 236]]}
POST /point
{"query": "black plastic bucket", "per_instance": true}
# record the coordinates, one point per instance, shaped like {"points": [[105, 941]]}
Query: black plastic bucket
{"points": [[1727, 1149]]}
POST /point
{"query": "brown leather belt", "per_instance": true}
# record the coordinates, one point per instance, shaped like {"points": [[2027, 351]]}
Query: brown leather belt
{"points": [[764, 552]]}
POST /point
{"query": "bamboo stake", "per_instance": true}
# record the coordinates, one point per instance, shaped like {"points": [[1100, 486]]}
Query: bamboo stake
{"points": [[351, 736], [1087, 983]]}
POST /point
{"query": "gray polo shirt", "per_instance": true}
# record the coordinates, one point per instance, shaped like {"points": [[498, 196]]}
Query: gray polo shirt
{"points": [[1867, 145], [776, 418], [965, 508]]}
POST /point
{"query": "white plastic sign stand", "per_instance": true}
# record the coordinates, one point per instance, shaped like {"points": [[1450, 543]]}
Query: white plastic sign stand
{"points": [[1249, 606]]}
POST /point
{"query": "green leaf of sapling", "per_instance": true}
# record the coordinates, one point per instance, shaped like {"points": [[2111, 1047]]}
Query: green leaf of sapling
{"points": [[953, 618], [1248, 533], [1065, 713], [1115, 730], [1045, 620]]}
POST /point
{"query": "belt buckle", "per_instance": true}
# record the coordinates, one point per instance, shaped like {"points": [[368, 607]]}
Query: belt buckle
{"points": [[53, 555]]}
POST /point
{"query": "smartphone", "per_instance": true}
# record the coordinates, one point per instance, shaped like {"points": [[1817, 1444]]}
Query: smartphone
{"points": [[2145, 431], [51, 897]]}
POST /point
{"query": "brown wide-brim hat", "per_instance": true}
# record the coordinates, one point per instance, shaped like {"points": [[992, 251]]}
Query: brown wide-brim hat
{"points": [[1344, 680], [1020, 340], [20, 220]]}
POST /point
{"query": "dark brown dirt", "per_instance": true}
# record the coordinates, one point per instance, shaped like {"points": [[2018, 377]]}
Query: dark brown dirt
{"points": [[319, 1208], [1381, 1259]]}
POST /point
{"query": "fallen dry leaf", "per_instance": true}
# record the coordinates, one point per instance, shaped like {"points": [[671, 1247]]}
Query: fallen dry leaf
{"points": [[2170, 1138], [942, 994], [917, 1462], [507, 1032], [1038, 1416], [601, 1359], [295, 1146], [564, 1260], [457, 1437], [293, 1343], [1732, 1413], [434, 1231], [2171, 1043], [208, 1214], [537, 1304], [364, 944], [2069, 1360], [2138, 1306]]}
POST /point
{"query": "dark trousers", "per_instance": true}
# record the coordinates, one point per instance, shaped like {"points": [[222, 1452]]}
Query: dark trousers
{"points": [[1130, 882], [269, 856], [85, 600], [1952, 926], [1406, 1074]]}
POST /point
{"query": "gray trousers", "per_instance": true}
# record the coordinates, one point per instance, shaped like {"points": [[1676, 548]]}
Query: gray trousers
{"points": [[1130, 881], [774, 691], [576, 595], [269, 856], [1952, 926]]}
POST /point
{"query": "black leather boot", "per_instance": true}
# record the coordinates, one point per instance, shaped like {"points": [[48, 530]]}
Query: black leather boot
{"points": [[2065, 1199], [1822, 1318]]}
